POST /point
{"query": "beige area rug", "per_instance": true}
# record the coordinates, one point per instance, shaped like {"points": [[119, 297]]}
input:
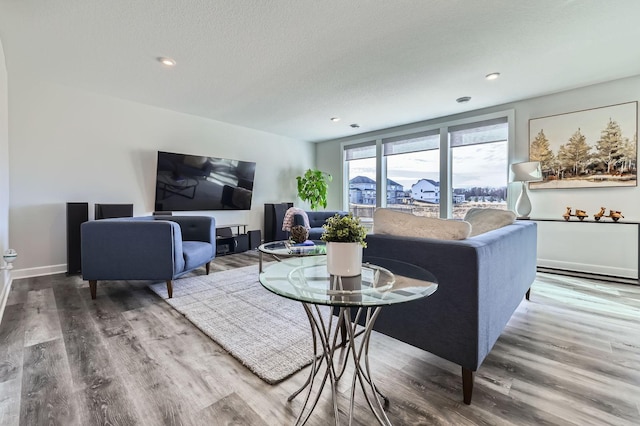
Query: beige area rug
{"points": [[267, 333]]}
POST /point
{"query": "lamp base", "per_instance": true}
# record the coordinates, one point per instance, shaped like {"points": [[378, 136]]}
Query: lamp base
{"points": [[523, 205], [523, 218]]}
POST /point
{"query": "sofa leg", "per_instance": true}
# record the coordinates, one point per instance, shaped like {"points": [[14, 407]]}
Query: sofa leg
{"points": [[527, 294], [93, 284], [467, 384], [170, 288], [207, 267]]}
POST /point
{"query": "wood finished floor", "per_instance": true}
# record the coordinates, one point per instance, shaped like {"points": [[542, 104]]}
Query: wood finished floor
{"points": [[570, 356]]}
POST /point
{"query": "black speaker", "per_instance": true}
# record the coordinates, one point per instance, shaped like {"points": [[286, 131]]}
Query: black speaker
{"points": [[255, 238], [107, 211], [77, 214], [273, 217], [163, 213], [241, 243]]}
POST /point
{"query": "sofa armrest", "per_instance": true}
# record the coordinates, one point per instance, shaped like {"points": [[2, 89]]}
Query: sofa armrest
{"points": [[116, 249]]}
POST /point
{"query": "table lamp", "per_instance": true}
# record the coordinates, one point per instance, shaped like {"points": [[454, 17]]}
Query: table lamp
{"points": [[528, 171]]}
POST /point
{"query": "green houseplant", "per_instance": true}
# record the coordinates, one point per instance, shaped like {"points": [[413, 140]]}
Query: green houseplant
{"points": [[345, 238], [312, 187], [344, 229]]}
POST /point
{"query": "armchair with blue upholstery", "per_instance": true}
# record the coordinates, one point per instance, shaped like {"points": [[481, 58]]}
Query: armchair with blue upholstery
{"points": [[146, 248]]}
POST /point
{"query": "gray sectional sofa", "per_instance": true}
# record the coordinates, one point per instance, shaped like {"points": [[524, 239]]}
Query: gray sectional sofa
{"points": [[316, 220], [146, 248], [481, 282]]}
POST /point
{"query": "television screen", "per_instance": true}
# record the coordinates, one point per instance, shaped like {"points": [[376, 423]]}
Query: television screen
{"points": [[194, 182]]}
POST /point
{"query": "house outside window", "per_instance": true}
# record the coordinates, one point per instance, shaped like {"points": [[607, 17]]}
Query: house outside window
{"points": [[360, 173], [413, 160]]}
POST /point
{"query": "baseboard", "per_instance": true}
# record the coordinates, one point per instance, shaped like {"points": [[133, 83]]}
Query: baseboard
{"points": [[588, 275], [593, 269], [39, 271]]}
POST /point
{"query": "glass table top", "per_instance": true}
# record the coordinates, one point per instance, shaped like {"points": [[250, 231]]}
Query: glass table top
{"points": [[287, 248], [382, 282]]}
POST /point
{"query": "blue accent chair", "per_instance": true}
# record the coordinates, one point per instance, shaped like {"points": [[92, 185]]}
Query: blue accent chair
{"points": [[146, 248]]}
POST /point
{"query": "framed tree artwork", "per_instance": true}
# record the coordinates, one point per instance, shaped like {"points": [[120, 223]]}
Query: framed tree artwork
{"points": [[593, 148]]}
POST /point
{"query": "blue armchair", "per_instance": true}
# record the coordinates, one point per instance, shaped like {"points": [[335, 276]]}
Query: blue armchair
{"points": [[146, 248]]}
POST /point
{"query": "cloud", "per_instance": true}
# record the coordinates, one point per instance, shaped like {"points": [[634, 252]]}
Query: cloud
{"points": [[481, 165]]}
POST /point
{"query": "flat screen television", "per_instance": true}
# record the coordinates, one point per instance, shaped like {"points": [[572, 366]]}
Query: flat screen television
{"points": [[194, 182]]}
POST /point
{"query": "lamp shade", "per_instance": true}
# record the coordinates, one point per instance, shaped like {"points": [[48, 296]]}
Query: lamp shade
{"points": [[528, 171]]}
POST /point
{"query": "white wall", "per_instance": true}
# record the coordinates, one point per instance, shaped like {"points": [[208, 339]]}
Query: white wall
{"points": [[4, 177], [596, 248], [71, 145]]}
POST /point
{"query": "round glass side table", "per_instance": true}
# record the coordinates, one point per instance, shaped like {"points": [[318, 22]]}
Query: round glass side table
{"points": [[356, 303], [285, 249]]}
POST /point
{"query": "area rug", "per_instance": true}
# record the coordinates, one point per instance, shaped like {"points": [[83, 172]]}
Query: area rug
{"points": [[267, 333]]}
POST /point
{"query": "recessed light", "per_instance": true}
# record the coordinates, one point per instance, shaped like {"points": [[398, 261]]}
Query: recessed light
{"points": [[492, 76], [355, 125], [167, 61], [335, 119], [463, 99]]}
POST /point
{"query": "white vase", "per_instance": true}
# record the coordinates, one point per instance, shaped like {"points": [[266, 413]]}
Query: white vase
{"points": [[344, 259]]}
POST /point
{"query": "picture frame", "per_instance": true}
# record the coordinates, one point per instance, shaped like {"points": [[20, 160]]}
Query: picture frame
{"points": [[591, 148]]}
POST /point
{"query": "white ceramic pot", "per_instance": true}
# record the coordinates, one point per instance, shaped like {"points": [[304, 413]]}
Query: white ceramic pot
{"points": [[344, 259]]}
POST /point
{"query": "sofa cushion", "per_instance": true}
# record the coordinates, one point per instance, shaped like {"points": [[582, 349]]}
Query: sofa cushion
{"points": [[386, 221], [487, 219], [196, 253]]}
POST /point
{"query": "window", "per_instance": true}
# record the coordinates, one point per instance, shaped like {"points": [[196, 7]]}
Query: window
{"points": [[479, 161], [413, 173], [438, 172], [360, 162]]}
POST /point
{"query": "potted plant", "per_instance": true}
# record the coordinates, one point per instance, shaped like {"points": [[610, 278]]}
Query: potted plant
{"points": [[312, 187], [345, 238]]}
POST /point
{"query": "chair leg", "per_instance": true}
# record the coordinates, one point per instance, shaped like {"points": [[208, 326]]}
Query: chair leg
{"points": [[527, 294], [467, 384], [207, 267], [170, 288], [93, 284]]}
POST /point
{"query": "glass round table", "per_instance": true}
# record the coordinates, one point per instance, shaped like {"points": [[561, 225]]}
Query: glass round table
{"points": [[356, 303], [285, 249]]}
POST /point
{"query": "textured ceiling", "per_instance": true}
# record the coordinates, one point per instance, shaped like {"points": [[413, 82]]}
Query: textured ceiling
{"points": [[287, 66]]}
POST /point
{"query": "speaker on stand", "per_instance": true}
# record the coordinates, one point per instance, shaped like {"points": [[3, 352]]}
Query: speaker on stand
{"points": [[110, 211], [255, 239], [77, 214], [273, 218]]}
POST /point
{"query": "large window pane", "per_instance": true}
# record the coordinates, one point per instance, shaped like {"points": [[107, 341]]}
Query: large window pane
{"points": [[479, 156], [361, 175], [413, 173]]}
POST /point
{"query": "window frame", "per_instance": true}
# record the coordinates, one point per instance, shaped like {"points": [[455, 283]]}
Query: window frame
{"points": [[443, 126]]}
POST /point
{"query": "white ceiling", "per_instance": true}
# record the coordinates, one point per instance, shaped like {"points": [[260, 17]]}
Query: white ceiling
{"points": [[287, 66]]}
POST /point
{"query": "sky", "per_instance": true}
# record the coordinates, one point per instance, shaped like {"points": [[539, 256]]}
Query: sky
{"points": [[483, 165]]}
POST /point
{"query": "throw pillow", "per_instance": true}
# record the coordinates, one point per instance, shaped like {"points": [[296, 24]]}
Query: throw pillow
{"points": [[392, 222], [485, 220]]}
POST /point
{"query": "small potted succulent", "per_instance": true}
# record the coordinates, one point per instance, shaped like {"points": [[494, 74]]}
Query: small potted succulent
{"points": [[345, 238]]}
